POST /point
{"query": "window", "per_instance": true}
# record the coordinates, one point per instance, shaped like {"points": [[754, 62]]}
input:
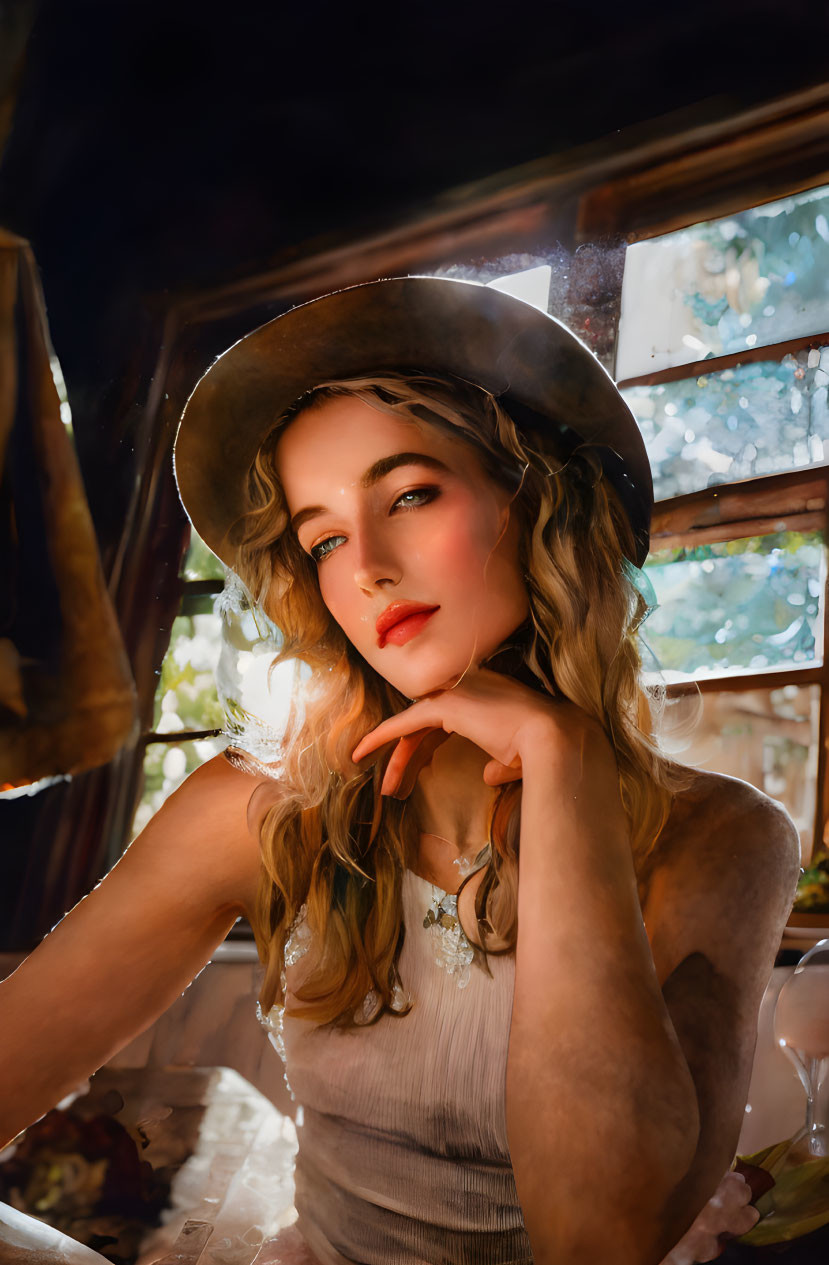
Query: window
{"points": [[188, 717], [718, 335], [216, 681], [723, 357]]}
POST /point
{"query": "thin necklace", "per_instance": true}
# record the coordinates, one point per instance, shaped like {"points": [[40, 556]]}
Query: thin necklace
{"points": [[463, 863]]}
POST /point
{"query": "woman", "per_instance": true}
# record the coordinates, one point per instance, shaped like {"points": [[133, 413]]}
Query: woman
{"points": [[439, 497]]}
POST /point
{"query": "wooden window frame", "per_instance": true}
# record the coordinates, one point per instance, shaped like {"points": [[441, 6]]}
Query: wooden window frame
{"points": [[782, 157]]}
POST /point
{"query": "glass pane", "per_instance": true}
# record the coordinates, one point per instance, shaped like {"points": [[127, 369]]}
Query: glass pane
{"points": [[166, 765], [766, 737], [744, 605], [754, 419], [748, 280], [199, 562], [186, 697]]}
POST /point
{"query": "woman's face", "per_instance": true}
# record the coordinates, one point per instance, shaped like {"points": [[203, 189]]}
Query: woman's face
{"points": [[416, 551]]}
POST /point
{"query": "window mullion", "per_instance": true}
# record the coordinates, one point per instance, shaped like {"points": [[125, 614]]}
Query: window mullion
{"points": [[822, 796], [714, 364], [791, 500], [180, 735], [736, 682]]}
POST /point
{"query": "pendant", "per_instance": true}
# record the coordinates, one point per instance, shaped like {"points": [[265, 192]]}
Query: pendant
{"points": [[452, 951]]}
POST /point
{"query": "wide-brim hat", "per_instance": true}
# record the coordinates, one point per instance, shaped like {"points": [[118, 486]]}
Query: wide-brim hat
{"points": [[433, 325]]}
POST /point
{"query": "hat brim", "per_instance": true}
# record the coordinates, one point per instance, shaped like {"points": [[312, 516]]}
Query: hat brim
{"points": [[431, 324]]}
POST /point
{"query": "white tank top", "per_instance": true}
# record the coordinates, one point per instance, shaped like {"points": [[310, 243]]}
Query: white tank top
{"points": [[403, 1153]]}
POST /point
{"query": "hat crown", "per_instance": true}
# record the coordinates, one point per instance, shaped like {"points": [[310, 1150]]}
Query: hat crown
{"points": [[433, 325]]}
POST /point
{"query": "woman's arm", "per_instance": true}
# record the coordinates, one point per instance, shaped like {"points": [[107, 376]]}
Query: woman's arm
{"points": [[628, 1061], [130, 947], [599, 1094], [625, 1077], [715, 913]]}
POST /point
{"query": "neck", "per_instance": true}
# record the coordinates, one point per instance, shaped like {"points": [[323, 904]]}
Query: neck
{"points": [[452, 802]]}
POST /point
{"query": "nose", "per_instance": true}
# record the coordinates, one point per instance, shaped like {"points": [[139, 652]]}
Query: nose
{"points": [[375, 566]]}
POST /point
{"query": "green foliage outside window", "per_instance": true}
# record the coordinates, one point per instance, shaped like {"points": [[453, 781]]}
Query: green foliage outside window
{"points": [[186, 697], [743, 605]]}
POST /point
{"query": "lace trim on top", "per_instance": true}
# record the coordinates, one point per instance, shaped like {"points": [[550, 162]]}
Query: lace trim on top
{"points": [[296, 946]]}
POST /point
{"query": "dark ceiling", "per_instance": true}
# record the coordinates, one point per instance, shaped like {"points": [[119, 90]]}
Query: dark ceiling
{"points": [[160, 146], [167, 144]]}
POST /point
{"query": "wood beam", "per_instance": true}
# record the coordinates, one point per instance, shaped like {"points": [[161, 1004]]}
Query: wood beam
{"points": [[746, 168], [737, 682], [751, 355], [794, 500]]}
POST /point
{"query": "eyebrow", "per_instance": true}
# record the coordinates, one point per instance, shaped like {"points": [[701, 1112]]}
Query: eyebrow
{"points": [[373, 475]]}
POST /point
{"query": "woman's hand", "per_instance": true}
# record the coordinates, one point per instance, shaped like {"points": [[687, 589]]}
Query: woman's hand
{"points": [[498, 714], [727, 1214]]}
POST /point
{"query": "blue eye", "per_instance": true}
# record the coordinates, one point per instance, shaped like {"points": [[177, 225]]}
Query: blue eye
{"points": [[411, 500], [416, 497], [324, 548]]}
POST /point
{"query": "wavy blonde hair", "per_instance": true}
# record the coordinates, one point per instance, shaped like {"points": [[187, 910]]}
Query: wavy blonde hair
{"points": [[329, 840]]}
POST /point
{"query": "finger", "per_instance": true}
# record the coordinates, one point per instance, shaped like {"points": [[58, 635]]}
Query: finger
{"points": [[733, 1191], [741, 1224], [421, 758], [412, 753], [404, 750], [497, 774], [747, 1219], [708, 1249], [421, 715]]}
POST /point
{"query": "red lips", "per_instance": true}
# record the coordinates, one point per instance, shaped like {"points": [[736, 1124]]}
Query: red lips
{"points": [[395, 613]]}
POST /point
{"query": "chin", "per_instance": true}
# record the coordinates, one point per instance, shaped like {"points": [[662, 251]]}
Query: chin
{"points": [[439, 672]]}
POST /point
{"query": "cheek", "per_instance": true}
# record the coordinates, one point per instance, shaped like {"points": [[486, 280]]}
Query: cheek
{"points": [[335, 593], [463, 544]]}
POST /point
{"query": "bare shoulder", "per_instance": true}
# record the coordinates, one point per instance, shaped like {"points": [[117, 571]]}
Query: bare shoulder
{"points": [[724, 873], [723, 821], [207, 825]]}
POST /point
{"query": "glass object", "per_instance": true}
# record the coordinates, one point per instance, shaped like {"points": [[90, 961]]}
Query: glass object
{"points": [[166, 765], [801, 1029], [736, 423], [799, 1200], [766, 737], [747, 280], [737, 606], [257, 697], [186, 696], [200, 563]]}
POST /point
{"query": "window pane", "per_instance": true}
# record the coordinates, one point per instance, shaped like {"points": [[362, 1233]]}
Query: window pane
{"points": [[166, 765], [766, 737], [199, 562], [744, 605], [748, 280], [186, 697], [754, 419]]}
